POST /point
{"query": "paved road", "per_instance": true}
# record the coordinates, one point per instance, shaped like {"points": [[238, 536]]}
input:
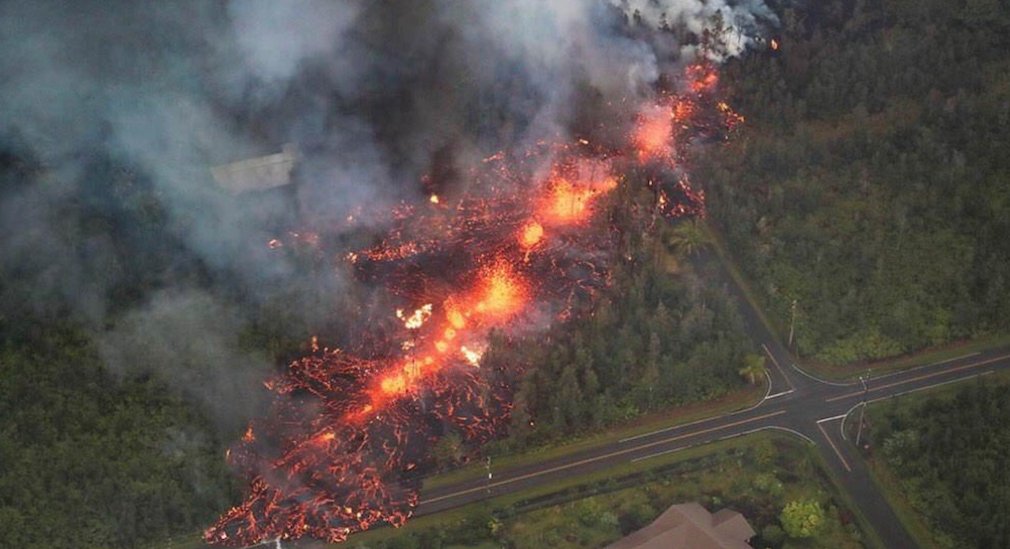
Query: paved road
{"points": [[798, 403]]}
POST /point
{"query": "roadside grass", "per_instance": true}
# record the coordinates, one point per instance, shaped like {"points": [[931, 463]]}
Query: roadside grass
{"points": [[888, 483], [848, 372], [914, 524], [681, 415], [925, 357], [590, 483], [597, 509]]}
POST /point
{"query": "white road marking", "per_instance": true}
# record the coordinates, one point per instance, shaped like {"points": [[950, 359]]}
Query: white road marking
{"points": [[777, 365], [835, 448], [832, 418]]}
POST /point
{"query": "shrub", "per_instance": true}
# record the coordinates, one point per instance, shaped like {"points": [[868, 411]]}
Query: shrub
{"points": [[773, 534], [802, 519]]}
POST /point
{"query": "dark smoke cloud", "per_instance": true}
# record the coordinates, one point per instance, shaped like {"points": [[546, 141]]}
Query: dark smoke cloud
{"points": [[374, 93]]}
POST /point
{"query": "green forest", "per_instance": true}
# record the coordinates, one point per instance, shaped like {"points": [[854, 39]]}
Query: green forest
{"points": [[90, 461], [870, 182], [93, 458], [950, 456]]}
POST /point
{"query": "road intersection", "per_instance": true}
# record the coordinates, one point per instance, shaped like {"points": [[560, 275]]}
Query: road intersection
{"points": [[813, 409]]}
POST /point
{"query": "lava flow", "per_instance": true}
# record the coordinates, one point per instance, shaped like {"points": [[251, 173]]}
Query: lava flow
{"points": [[351, 430]]}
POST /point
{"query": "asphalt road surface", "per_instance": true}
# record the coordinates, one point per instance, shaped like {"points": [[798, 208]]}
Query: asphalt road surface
{"points": [[798, 403]]}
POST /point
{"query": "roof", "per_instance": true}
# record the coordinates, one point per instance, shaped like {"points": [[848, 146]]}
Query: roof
{"points": [[691, 526], [257, 174]]}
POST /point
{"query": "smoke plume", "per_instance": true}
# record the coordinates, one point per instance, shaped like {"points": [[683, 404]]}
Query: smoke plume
{"points": [[114, 98]]}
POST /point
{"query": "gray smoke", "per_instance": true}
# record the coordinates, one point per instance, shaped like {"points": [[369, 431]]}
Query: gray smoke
{"points": [[375, 93]]}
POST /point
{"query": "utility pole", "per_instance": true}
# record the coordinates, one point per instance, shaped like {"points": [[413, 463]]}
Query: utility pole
{"points": [[792, 324], [859, 431], [487, 465]]}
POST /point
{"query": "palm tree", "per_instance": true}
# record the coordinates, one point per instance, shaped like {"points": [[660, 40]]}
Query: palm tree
{"points": [[689, 238], [754, 368]]}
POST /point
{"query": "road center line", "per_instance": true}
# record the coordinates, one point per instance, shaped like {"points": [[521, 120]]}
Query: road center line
{"points": [[835, 448], [600, 457], [933, 386], [920, 378]]}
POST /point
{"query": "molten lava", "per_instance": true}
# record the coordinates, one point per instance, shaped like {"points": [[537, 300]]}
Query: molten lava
{"points": [[653, 136], [531, 234], [350, 430]]}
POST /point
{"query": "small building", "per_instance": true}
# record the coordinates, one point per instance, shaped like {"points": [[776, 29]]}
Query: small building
{"points": [[691, 526], [257, 174]]}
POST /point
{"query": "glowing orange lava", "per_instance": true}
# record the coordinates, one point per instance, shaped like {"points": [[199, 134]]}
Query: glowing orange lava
{"points": [[499, 294], [567, 203], [347, 425], [653, 136], [570, 192], [703, 77], [531, 235], [502, 293]]}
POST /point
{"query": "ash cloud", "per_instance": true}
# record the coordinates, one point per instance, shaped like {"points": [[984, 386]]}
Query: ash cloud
{"points": [[125, 106]]}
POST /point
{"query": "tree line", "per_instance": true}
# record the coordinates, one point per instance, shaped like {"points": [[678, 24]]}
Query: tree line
{"points": [[949, 455], [870, 182]]}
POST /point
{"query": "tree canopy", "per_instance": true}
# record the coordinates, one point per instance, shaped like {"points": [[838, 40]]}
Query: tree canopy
{"points": [[950, 455], [870, 181], [94, 462]]}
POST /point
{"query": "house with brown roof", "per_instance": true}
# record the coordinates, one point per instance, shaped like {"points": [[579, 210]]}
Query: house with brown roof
{"points": [[691, 526]]}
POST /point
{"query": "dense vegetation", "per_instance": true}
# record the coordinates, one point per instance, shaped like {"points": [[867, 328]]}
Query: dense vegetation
{"points": [[950, 455], [90, 462], [92, 458], [657, 336], [870, 183]]}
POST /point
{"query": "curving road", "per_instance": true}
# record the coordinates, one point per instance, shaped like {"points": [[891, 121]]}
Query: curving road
{"points": [[797, 402]]}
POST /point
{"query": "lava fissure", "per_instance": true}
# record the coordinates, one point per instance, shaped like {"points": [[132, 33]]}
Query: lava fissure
{"points": [[350, 431]]}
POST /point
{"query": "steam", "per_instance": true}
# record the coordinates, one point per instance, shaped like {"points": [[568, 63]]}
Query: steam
{"points": [[372, 92], [745, 18]]}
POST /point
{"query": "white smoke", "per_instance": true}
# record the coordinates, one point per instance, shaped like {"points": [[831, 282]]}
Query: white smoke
{"points": [[743, 18], [565, 42]]}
